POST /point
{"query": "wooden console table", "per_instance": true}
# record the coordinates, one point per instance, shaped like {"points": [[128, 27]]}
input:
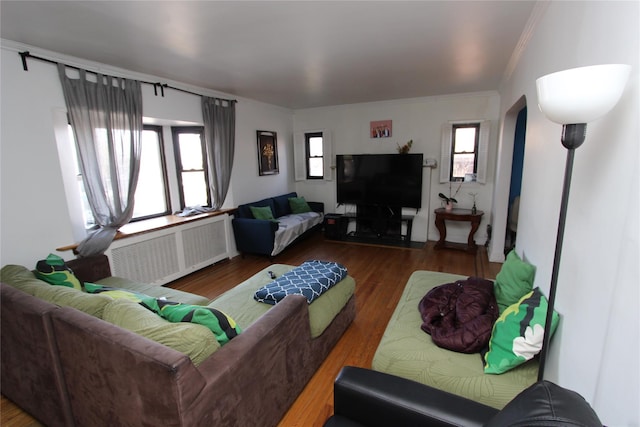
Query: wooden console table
{"points": [[457, 215]]}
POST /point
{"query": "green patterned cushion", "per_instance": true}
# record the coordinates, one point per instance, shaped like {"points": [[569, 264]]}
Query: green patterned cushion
{"points": [[54, 271], [196, 341], [299, 205], [262, 212], [513, 281], [518, 333], [223, 327], [115, 293]]}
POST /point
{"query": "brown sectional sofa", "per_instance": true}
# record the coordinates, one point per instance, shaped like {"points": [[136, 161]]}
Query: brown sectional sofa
{"points": [[69, 368]]}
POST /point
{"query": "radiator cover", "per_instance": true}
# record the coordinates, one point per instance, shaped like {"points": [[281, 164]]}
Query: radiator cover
{"points": [[158, 257]]}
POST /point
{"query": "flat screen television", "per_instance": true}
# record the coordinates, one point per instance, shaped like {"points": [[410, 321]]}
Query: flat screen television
{"points": [[393, 180]]}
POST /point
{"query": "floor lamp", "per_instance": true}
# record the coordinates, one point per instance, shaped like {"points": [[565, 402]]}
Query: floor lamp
{"points": [[574, 98]]}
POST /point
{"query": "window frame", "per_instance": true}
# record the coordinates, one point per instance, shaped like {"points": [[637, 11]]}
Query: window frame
{"points": [[175, 132], [476, 144], [482, 153], [308, 156], [163, 166]]}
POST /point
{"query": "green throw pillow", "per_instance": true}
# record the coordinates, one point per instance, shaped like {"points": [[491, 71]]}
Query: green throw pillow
{"points": [[513, 281], [262, 212], [518, 333], [115, 293], [223, 327], [54, 271], [299, 205]]}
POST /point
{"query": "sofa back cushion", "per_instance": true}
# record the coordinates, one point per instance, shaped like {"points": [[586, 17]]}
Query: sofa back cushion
{"points": [[281, 204], [21, 278], [244, 211], [196, 341]]}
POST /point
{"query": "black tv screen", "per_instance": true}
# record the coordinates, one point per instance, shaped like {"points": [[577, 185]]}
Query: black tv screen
{"points": [[393, 180]]}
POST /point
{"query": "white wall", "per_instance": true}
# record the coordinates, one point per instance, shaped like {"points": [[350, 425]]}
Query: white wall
{"points": [[420, 119], [595, 350], [34, 219]]}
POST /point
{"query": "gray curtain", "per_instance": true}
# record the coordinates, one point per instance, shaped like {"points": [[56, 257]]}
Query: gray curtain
{"points": [[219, 118], [106, 117]]}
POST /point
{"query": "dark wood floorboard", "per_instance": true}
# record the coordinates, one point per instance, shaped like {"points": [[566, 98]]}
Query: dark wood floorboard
{"points": [[381, 273]]}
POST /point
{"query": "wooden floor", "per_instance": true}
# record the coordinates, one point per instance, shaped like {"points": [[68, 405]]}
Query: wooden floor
{"points": [[380, 273]]}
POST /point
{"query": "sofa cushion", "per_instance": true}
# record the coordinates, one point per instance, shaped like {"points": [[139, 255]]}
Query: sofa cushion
{"points": [[54, 271], [262, 212], [513, 281], [299, 205], [154, 290], [223, 327], [291, 227], [518, 333], [68, 297], [23, 279], [239, 302], [407, 352], [196, 341], [114, 293], [281, 204]]}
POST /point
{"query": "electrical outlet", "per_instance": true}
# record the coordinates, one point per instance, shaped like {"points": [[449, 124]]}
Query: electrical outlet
{"points": [[431, 163]]}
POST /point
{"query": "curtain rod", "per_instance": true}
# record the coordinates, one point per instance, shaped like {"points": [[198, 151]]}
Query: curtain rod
{"points": [[26, 54]]}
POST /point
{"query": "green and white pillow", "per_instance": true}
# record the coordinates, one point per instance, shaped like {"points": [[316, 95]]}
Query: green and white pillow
{"points": [[518, 333]]}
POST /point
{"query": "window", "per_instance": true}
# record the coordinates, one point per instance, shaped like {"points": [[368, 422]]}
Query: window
{"points": [[151, 198], [314, 155], [464, 147], [190, 156]]}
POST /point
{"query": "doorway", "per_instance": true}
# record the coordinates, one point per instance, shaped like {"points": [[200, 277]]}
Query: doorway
{"points": [[517, 163], [509, 173]]}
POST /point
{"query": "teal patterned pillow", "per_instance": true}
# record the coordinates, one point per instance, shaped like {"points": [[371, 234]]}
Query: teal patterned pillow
{"points": [[518, 333]]}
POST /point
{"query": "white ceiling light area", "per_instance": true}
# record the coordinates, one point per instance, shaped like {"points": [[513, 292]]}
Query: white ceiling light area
{"points": [[295, 54]]}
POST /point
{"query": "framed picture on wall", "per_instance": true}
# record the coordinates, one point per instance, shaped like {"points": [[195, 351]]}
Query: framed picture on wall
{"points": [[380, 129], [267, 152]]}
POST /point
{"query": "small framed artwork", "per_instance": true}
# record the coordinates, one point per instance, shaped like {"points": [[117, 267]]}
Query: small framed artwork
{"points": [[380, 129], [267, 153]]}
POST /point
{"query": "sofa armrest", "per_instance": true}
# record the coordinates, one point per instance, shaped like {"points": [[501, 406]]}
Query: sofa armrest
{"points": [[254, 235], [256, 377], [373, 398], [316, 206], [91, 268]]}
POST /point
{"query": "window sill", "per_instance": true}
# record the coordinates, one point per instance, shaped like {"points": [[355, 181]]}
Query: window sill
{"points": [[153, 224]]}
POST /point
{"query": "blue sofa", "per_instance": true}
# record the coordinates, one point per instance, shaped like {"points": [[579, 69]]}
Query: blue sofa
{"points": [[266, 237]]}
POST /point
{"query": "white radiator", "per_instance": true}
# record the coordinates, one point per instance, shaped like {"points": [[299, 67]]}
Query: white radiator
{"points": [[161, 256]]}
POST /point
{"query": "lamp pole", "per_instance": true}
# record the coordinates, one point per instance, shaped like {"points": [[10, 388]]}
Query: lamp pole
{"points": [[573, 136]]}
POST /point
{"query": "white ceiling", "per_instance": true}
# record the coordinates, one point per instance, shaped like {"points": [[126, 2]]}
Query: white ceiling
{"points": [[295, 54]]}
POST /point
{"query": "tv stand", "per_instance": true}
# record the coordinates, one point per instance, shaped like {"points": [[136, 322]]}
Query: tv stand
{"points": [[380, 224]]}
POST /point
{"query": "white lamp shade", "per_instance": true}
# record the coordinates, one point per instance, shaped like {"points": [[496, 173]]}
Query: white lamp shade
{"points": [[581, 95]]}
